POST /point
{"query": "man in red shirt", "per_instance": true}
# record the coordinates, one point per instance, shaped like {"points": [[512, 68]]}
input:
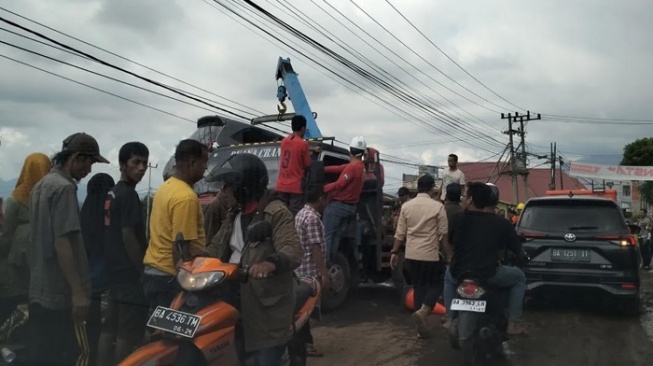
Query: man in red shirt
{"points": [[345, 193], [295, 159]]}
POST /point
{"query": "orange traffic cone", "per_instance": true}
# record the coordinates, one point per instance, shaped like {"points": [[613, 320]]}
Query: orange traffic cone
{"points": [[439, 309]]}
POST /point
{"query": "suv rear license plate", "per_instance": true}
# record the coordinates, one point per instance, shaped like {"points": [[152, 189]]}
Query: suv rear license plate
{"points": [[174, 321], [477, 306], [571, 255]]}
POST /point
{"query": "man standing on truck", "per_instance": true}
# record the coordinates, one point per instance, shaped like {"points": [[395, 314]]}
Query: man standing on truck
{"points": [[422, 225], [345, 194], [293, 164], [452, 175]]}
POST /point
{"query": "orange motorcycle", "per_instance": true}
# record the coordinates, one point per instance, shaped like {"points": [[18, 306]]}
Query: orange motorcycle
{"points": [[199, 327]]}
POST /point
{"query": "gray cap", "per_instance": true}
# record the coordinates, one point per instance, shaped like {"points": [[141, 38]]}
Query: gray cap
{"points": [[84, 144]]}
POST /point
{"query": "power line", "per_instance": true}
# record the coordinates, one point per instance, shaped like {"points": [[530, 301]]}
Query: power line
{"points": [[383, 45], [129, 60], [97, 89], [450, 59], [93, 58], [431, 64], [104, 76], [336, 57], [597, 121]]}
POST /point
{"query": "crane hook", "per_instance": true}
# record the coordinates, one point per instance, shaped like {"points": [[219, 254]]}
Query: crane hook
{"points": [[281, 108]]}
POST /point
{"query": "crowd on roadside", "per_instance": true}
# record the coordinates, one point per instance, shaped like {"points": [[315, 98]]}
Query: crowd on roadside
{"points": [[61, 260]]}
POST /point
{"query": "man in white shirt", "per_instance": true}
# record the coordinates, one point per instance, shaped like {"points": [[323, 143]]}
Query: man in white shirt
{"points": [[452, 175]]}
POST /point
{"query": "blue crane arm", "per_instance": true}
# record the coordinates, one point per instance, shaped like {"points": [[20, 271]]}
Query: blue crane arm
{"points": [[296, 95]]}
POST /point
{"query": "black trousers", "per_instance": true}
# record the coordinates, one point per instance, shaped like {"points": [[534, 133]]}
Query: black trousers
{"points": [[647, 252], [428, 282], [55, 340]]}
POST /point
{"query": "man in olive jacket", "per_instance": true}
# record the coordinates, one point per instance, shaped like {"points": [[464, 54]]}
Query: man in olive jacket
{"points": [[267, 299]]}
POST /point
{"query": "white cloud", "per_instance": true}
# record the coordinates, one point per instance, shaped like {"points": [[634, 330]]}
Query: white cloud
{"points": [[586, 60]]}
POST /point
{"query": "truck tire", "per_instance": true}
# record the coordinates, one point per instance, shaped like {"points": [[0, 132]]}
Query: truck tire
{"points": [[340, 274]]}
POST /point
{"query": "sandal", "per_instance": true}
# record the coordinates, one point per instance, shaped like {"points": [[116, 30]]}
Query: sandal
{"points": [[311, 351]]}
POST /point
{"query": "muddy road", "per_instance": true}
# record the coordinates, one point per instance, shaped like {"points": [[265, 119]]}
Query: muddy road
{"points": [[373, 329]]}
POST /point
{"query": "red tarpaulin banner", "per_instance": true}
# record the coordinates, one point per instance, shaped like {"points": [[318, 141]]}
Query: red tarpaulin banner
{"points": [[611, 172]]}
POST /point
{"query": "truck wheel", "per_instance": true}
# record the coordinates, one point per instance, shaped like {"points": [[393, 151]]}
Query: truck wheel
{"points": [[340, 274]]}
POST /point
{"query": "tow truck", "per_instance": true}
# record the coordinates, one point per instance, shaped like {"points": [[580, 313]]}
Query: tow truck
{"points": [[366, 242]]}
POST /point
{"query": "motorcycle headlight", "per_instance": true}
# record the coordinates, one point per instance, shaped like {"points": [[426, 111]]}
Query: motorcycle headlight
{"points": [[200, 281]]}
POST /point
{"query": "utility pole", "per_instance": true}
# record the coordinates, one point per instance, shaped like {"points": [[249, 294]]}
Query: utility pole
{"points": [[515, 169], [554, 159], [561, 162], [513, 163], [149, 198]]}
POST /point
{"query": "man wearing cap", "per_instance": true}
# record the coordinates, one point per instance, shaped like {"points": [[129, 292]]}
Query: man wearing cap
{"points": [[60, 288], [345, 194], [423, 225]]}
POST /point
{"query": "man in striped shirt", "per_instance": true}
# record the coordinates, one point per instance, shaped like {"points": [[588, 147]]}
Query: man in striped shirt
{"points": [[311, 236]]}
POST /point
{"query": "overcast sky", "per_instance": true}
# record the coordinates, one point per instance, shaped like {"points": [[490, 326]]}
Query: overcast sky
{"points": [[585, 58]]}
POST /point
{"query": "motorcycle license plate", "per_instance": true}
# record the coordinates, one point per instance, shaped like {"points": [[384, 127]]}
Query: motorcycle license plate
{"points": [[174, 321], [477, 306]]}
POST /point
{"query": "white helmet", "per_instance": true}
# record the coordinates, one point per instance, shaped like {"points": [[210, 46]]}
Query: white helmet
{"points": [[359, 143]]}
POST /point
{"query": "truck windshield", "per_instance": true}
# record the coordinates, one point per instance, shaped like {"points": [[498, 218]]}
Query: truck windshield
{"points": [[207, 134]]}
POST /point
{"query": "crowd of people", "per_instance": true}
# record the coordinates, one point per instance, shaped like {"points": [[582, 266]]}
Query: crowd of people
{"points": [[449, 231], [62, 261]]}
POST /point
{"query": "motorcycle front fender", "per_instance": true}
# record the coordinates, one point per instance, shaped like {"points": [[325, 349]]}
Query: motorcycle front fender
{"points": [[157, 353]]}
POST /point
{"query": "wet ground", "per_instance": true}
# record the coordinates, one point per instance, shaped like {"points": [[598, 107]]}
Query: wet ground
{"points": [[374, 329]]}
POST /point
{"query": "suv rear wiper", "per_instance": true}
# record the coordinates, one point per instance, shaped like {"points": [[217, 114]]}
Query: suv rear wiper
{"points": [[582, 227]]}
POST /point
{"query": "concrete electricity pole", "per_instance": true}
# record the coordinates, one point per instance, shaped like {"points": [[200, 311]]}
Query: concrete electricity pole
{"points": [[149, 198], [513, 163], [554, 159], [522, 168]]}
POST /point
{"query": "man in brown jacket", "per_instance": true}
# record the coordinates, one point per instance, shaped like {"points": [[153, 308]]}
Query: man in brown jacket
{"points": [[267, 299]]}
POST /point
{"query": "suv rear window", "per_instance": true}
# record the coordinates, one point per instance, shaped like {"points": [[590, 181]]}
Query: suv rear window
{"points": [[564, 216]]}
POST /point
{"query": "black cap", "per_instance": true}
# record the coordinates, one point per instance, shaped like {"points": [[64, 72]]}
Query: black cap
{"points": [[84, 144], [425, 182]]}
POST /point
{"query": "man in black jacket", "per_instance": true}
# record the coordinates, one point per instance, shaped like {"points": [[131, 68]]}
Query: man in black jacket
{"points": [[479, 240]]}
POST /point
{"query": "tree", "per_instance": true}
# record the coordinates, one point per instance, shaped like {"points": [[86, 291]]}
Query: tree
{"points": [[640, 153]]}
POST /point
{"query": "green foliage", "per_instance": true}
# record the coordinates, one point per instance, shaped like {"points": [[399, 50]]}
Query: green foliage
{"points": [[639, 153], [646, 192]]}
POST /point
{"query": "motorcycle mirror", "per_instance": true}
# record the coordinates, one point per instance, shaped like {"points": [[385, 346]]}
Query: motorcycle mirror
{"points": [[258, 232]]}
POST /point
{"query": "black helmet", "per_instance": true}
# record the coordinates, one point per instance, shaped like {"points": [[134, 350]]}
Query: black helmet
{"points": [[494, 197], [246, 173]]}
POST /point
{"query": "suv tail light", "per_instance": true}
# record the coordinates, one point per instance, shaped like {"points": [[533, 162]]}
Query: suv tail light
{"points": [[624, 241], [470, 290]]}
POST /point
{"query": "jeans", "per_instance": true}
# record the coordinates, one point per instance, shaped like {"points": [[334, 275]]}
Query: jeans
{"points": [[336, 216], [506, 276], [159, 290], [427, 279]]}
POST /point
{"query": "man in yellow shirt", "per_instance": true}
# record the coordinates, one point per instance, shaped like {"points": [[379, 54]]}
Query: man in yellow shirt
{"points": [[175, 208]]}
